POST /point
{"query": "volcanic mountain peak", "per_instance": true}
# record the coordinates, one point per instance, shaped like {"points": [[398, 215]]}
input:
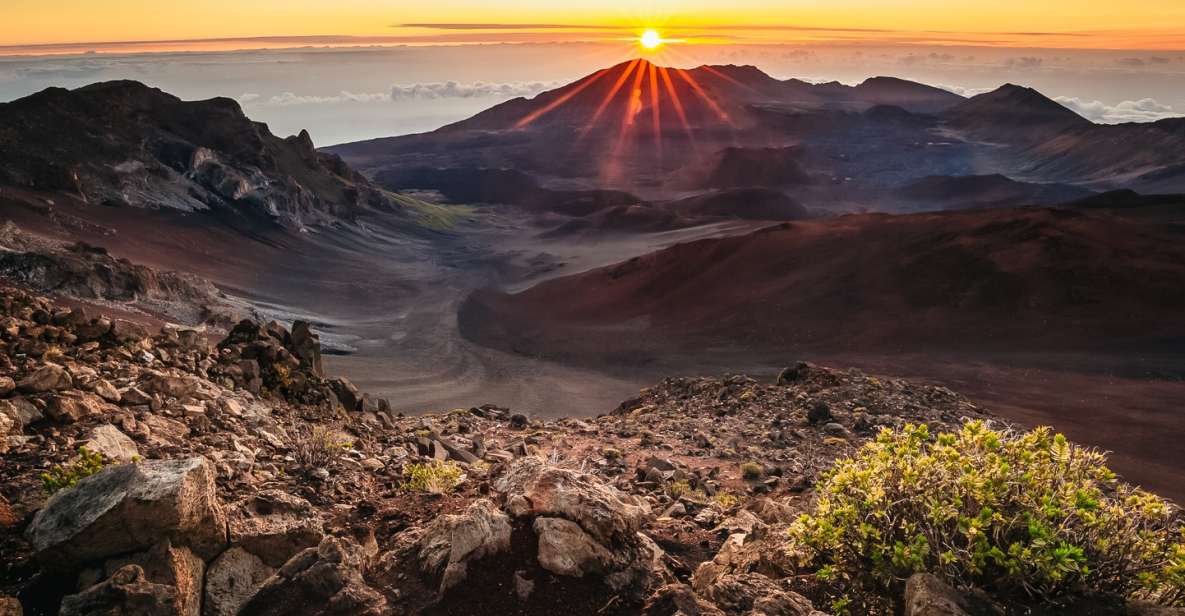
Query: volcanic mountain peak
{"points": [[1019, 103], [123, 143]]}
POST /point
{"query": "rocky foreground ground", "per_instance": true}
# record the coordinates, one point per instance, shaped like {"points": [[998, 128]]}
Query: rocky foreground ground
{"points": [[234, 477]]}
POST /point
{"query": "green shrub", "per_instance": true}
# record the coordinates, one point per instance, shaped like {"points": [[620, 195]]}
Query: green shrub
{"points": [[316, 446], [677, 489], [62, 476], [1028, 517], [726, 500], [432, 478], [752, 470]]}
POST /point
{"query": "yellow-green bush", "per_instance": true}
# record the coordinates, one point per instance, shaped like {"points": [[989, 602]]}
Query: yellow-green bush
{"points": [[1031, 518], [63, 476], [433, 477]]}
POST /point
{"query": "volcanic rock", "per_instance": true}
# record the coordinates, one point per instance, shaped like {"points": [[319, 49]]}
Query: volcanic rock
{"points": [[128, 508]]}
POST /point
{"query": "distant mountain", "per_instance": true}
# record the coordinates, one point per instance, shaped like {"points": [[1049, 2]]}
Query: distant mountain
{"points": [[659, 132], [1025, 280], [124, 144], [1013, 113], [755, 167], [993, 190], [637, 123], [915, 97]]}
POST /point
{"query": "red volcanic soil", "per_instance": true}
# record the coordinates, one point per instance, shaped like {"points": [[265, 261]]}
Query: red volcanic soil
{"points": [[1004, 280], [1045, 317]]}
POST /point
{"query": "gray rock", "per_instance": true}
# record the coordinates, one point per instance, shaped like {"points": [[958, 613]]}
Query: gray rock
{"points": [[129, 508], [926, 595], [275, 525], [113, 444], [453, 541], [602, 511], [565, 549], [232, 579]]}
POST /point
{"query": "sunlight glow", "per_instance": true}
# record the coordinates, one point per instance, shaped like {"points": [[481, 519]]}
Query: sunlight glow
{"points": [[650, 39]]}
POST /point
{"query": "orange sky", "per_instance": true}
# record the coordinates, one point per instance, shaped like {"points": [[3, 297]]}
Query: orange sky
{"points": [[1132, 24]]}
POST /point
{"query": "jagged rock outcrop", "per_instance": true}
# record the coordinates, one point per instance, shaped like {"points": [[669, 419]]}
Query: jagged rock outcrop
{"points": [[322, 580], [124, 144], [125, 593]]}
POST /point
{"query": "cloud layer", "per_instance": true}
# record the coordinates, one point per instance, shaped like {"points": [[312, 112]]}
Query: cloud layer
{"points": [[1143, 110], [407, 92]]}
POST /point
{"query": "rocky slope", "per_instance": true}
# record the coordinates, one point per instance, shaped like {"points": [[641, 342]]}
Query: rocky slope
{"points": [[123, 144], [239, 479]]}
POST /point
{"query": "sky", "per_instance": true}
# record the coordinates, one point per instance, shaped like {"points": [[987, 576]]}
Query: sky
{"points": [[348, 70], [1132, 24]]}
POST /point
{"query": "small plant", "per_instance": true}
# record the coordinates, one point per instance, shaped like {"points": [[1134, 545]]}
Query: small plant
{"points": [[317, 446], [434, 477], [726, 500], [612, 454], [752, 470], [60, 476], [678, 489], [1030, 517]]}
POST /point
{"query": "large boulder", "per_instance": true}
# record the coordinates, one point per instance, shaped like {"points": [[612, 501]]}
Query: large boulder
{"points": [[275, 525], [534, 489], [125, 593], [584, 526], [318, 581], [232, 579], [454, 541], [130, 508]]}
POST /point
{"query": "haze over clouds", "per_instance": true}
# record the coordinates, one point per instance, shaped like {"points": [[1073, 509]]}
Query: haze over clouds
{"points": [[347, 94]]}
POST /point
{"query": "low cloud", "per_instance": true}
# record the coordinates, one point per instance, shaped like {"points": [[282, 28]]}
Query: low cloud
{"points": [[1024, 63], [1143, 110], [408, 92], [961, 91], [453, 89]]}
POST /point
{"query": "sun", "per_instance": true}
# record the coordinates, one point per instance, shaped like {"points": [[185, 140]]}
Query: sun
{"points": [[651, 39]]}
